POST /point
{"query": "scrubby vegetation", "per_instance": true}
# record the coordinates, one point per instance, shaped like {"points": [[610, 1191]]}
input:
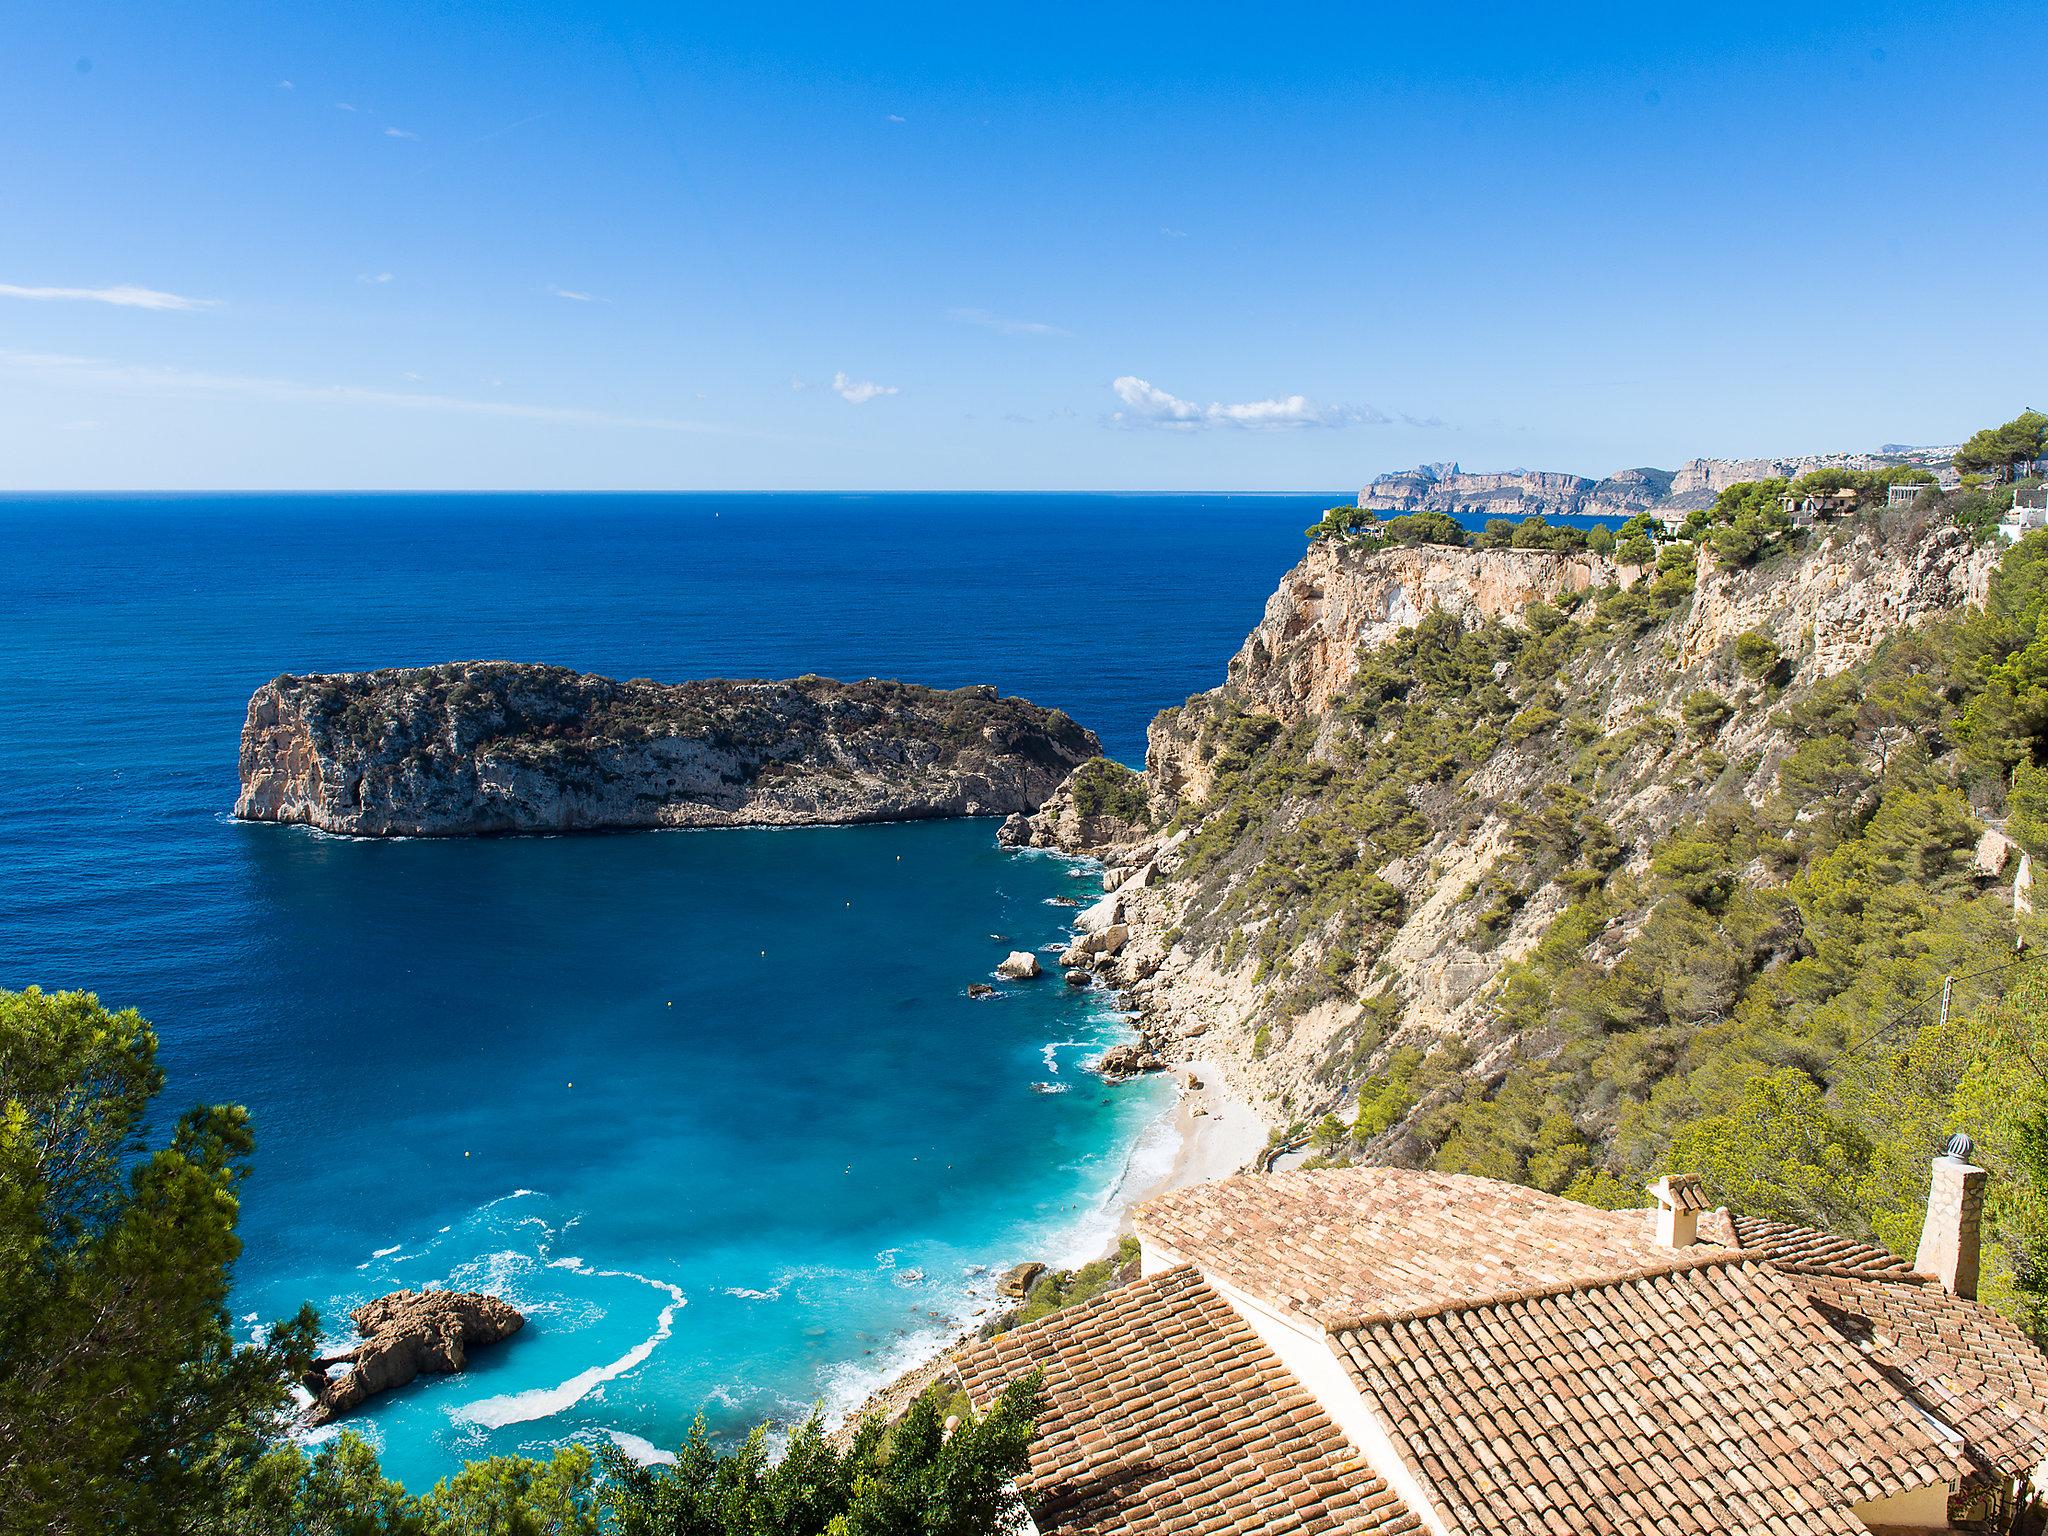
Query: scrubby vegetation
{"points": [[127, 1406], [1105, 788], [1360, 528], [1757, 992], [1059, 1288]]}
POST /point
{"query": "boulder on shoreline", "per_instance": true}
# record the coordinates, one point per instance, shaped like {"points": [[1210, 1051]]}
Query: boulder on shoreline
{"points": [[1121, 1061], [1021, 965], [1019, 1278], [403, 1334]]}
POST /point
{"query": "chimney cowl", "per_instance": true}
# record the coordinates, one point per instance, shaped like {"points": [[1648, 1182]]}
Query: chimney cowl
{"points": [[1960, 1147], [1679, 1203]]}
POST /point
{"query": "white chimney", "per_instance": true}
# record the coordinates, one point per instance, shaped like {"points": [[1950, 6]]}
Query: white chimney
{"points": [[1955, 1210], [1679, 1203]]}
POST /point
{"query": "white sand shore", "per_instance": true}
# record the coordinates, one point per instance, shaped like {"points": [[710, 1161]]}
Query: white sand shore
{"points": [[1219, 1132], [1219, 1135]]}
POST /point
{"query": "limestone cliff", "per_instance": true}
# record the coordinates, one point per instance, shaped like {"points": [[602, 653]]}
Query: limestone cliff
{"points": [[494, 747], [1321, 875], [1339, 602]]}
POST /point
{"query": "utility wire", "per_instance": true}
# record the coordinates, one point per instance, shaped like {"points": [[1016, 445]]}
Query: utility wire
{"points": [[1916, 1008]]}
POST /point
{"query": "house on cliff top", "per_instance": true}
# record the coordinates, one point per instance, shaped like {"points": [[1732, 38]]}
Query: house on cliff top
{"points": [[1369, 1350]]}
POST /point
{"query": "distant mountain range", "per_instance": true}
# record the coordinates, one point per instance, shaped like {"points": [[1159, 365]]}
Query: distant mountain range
{"points": [[1522, 492]]}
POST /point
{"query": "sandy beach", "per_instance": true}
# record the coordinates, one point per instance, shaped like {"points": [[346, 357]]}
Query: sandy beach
{"points": [[1219, 1133]]}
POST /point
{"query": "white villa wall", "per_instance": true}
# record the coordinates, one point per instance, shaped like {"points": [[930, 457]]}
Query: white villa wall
{"points": [[1917, 1509]]}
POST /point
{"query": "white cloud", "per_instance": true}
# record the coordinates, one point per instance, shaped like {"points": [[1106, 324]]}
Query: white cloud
{"points": [[894, 118], [577, 294], [373, 277], [131, 378], [286, 85], [1003, 327], [344, 106], [860, 391], [1171, 233], [400, 133], [1147, 405], [126, 295]]}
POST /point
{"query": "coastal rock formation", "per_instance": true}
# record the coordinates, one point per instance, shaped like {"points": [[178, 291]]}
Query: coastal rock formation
{"points": [[404, 1334], [1128, 1061], [486, 747], [1217, 865], [1458, 492], [1019, 965], [1340, 600], [1019, 1278]]}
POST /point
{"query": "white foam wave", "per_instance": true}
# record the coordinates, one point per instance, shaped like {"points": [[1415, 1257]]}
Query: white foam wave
{"points": [[546, 1402], [643, 1451], [748, 1293], [385, 1253]]}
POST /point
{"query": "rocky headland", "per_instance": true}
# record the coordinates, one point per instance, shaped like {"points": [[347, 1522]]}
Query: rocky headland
{"points": [[1284, 900], [500, 747], [1456, 491]]}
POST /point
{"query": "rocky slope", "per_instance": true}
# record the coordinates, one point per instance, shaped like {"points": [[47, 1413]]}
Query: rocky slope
{"points": [[495, 747], [1309, 878]]}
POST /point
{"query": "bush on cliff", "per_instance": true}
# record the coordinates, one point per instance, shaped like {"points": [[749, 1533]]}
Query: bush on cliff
{"points": [[1737, 1027], [1105, 788]]}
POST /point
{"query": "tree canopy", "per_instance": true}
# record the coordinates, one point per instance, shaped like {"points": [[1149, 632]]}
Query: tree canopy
{"points": [[125, 1403], [126, 1406], [1998, 449]]}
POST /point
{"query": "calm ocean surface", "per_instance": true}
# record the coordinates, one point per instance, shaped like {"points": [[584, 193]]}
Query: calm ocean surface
{"points": [[711, 1107]]}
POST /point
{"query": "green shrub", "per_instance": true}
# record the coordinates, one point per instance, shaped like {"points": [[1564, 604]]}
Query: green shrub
{"points": [[1758, 656]]}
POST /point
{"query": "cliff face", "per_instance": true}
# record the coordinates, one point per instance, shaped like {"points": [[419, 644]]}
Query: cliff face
{"points": [[1339, 602], [1325, 874], [1447, 488], [490, 747]]}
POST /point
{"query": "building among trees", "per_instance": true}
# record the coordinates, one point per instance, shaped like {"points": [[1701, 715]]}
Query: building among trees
{"points": [[1374, 1350]]}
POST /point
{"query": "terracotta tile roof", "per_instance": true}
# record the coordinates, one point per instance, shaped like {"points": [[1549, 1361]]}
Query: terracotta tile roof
{"points": [[1711, 1399], [1349, 1243], [1169, 1415], [1971, 1368], [1805, 1250]]}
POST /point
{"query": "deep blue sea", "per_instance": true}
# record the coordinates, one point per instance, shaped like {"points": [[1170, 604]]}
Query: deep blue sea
{"points": [[713, 1108]]}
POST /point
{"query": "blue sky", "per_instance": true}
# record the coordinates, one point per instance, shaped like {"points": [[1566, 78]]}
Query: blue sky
{"points": [[523, 245]]}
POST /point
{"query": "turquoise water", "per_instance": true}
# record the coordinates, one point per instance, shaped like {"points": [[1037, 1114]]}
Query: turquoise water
{"points": [[712, 1107]]}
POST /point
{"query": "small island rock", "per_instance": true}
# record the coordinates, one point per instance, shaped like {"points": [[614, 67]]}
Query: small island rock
{"points": [[403, 1334], [475, 747], [1021, 965]]}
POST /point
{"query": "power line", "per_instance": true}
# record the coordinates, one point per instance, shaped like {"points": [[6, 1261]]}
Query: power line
{"points": [[1914, 1010]]}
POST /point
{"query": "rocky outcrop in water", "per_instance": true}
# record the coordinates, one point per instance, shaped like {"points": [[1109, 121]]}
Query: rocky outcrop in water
{"points": [[494, 747], [404, 1334]]}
